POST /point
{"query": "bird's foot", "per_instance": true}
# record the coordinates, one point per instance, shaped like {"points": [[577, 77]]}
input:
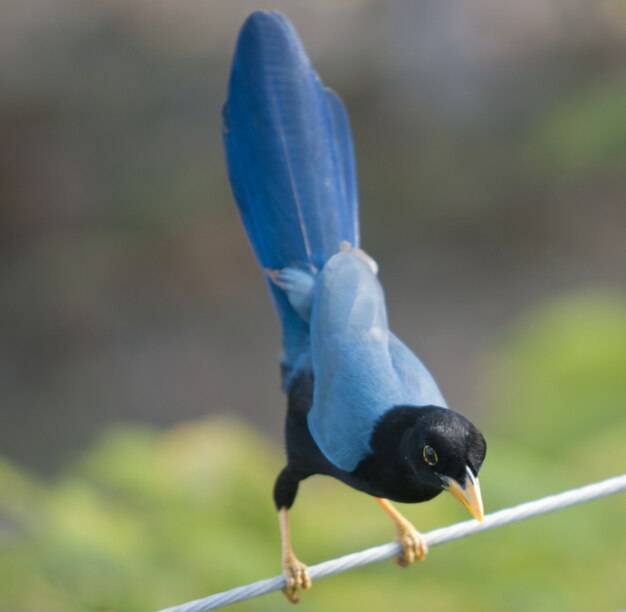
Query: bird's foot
{"points": [[414, 547], [297, 576]]}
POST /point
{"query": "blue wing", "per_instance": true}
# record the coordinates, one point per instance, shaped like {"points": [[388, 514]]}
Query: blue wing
{"points": [[361, 369], [290, 159]]}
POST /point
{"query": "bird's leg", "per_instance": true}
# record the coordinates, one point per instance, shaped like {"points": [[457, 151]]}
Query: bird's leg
{"points": [[295, 572], [413, 546]]}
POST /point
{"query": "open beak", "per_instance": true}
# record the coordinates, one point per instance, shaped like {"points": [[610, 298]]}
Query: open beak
{"points": [[468, 494]]}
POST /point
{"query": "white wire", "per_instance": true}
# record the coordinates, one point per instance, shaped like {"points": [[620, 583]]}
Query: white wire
{"points": [[432, 538]]}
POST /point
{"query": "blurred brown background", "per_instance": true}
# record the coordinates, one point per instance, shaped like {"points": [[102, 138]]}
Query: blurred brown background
{"points": [[491, 145]]}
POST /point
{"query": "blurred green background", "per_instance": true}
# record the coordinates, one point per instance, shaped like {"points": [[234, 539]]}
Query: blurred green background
{"points": [[136, 465]]}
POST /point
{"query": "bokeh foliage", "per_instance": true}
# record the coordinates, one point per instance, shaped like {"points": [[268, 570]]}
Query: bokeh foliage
{"points": [[146, 518]]}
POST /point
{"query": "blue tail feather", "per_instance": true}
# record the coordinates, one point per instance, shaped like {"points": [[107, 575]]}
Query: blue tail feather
{"points": [[290, 159]]}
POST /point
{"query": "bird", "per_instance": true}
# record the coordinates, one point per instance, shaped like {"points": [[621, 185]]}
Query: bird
{"points": [[361, 406]]}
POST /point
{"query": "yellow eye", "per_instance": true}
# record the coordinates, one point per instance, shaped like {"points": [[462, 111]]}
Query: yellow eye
{"points": [[430, 456]]}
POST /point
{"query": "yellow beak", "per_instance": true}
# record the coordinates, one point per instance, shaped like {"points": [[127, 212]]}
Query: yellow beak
{"points": [[468, 495]]}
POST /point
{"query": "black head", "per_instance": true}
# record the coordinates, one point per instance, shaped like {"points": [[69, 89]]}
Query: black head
{"points": [[443, 443], [419, 452], [446, 451]]}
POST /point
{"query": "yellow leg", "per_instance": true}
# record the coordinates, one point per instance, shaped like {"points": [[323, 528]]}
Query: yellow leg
{"points": [[295, 572], [413, 546]]}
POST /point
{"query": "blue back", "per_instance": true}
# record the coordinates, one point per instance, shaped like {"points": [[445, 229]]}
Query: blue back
{"points": [[361, 369], [290, 160]]}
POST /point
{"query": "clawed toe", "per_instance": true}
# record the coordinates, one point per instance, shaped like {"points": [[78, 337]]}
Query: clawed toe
{"points": [[297, 577], [414, 547]]}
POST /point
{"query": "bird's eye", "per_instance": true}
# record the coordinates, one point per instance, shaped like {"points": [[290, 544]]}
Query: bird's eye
{"points": [[430, 456]]}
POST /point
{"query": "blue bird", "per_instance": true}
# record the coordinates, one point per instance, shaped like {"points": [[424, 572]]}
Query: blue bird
{"points": [[362, 407]]}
